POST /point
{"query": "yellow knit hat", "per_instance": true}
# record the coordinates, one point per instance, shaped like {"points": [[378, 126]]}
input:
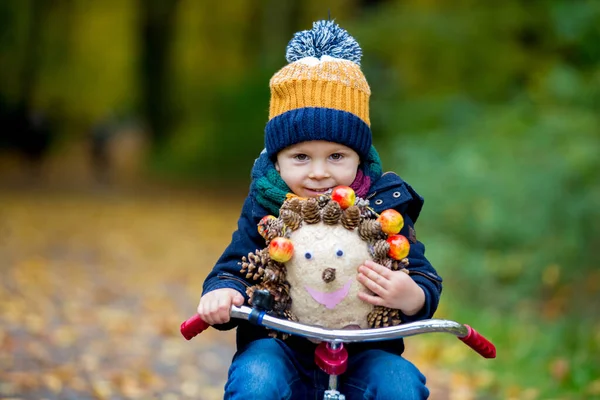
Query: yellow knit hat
{"points": [[321, 94]]}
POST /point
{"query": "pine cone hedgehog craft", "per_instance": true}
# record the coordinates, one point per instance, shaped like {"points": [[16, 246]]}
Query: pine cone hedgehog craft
{"points": [[312, 253]]}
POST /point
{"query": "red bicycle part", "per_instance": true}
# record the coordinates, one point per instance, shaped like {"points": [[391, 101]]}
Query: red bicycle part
{"points": [[477, 342], [193, 326], [332, 361]]}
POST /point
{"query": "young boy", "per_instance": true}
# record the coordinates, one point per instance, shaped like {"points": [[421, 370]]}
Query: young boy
{"points": [[318, 136]]}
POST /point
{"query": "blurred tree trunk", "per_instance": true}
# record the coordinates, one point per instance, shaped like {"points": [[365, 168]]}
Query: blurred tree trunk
{"points": [[156, 32], [24, 125], [278, 21], [31, 56], [38, 12]]}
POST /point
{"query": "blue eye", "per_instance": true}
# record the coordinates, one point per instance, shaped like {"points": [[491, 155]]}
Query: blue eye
{"points": [[339, 253], [307, 255]]}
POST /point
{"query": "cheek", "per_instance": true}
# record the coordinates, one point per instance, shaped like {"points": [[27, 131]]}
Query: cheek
{"points": [[352, 176], [291, 177], [346, 173], [346, 177]]}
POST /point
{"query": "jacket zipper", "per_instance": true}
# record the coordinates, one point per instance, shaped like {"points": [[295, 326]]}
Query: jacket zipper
{"points": [[234, 278], [431, 278]]}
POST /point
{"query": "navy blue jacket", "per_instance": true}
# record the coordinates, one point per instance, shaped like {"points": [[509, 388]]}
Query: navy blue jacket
{"points": [[390, 191]]}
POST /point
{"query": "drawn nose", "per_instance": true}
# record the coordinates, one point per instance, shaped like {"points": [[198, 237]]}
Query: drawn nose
{"points": [[328, 275]]}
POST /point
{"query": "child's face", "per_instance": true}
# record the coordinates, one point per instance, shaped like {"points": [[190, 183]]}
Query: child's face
{"points": [[311, 168]]}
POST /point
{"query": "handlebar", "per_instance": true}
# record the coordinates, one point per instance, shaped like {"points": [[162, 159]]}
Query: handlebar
{"points": [[195, 325]]}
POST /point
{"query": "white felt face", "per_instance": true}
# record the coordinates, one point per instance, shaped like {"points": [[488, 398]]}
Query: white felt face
{"points": [[325, 302]]}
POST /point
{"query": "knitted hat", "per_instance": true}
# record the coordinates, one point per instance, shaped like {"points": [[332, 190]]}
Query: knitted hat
{"points": [[321, 94]]}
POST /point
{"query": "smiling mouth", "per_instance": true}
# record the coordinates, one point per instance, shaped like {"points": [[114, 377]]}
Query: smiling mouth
{"points": [[329, 299], [318, 190]]}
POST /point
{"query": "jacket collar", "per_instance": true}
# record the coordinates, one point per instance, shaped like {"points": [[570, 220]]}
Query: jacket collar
{"points": [[391, 191]]}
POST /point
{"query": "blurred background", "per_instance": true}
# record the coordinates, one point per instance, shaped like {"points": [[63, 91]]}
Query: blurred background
{"points": [[128, 130]]}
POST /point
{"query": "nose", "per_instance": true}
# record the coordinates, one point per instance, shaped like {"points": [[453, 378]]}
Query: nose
{"points": [[318, 171], [328, 275]]}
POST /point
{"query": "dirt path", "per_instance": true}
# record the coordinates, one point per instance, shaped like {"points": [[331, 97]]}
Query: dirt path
{"points": [[94, 287]]}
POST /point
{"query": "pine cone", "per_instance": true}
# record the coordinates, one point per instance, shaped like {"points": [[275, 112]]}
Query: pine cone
{"points": [[259, 257], [393, 318], [323, 199], [311, 212], [279, 269], [362, 203], [280, 292], [258, 275], [293, 204], [331, 213], [255, 264], [374, 317], [382, 317], [246, 266], [351, 217], [399, 265], [386, 262], [369, 230], [291, 219], [287, 314], [368, 213], [380, 249], [275, 229], [250, 291], [273, 273], [290, 315], [328, 275]]}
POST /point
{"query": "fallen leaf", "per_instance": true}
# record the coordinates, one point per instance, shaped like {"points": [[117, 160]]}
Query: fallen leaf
{"points": [[52, 382]]}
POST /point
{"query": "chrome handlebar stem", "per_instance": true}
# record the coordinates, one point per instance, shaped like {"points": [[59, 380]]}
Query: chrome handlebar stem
{"points": [[349, 336]]}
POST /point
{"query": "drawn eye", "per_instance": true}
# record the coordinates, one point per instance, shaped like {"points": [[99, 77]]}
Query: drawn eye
{"points": [[308, 255], [339, 253]]}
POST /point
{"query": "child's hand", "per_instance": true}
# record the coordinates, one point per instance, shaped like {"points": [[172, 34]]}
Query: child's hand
{"points": [[393, 289], [215, 306]]}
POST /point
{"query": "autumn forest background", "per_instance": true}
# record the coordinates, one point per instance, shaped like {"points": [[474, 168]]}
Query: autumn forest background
{"points": [[128, 129]]}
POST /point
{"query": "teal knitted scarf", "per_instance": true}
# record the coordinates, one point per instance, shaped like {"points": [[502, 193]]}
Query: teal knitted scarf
{"points": [[270, 190]]}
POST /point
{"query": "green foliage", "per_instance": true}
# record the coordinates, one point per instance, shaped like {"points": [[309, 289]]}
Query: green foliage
{"points": [[221, 147], [490, 110], [491, 113], [511, 215]]}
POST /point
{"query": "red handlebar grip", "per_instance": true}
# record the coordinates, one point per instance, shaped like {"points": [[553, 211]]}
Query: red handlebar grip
{"points": [[193, 327], [478, 343]]}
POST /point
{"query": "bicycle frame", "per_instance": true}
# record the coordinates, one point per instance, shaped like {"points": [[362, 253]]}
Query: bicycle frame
{"points": [[330, 354]]}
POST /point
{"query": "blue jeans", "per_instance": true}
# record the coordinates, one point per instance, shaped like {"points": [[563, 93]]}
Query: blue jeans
{"points": [[269, 369]]}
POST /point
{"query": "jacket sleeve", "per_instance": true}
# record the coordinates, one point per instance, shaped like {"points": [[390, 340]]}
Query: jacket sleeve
{"points": [[421, 271], [226, 272]]}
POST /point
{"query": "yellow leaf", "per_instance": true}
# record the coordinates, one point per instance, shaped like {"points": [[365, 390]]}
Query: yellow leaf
{"points": [[190, 389], [101, 389], [52, 382], [65, 336], [461, 387], [551, 275], [594, 387]]}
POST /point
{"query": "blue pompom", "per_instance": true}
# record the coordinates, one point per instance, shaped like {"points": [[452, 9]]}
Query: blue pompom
{"points": [[325, 38]]}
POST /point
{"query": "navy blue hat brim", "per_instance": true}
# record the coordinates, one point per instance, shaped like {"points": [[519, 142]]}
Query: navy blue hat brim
{"points": [[316, 123]]}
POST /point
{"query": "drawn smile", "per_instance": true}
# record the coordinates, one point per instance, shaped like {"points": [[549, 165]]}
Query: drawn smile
{"points": [[330, 299]]}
